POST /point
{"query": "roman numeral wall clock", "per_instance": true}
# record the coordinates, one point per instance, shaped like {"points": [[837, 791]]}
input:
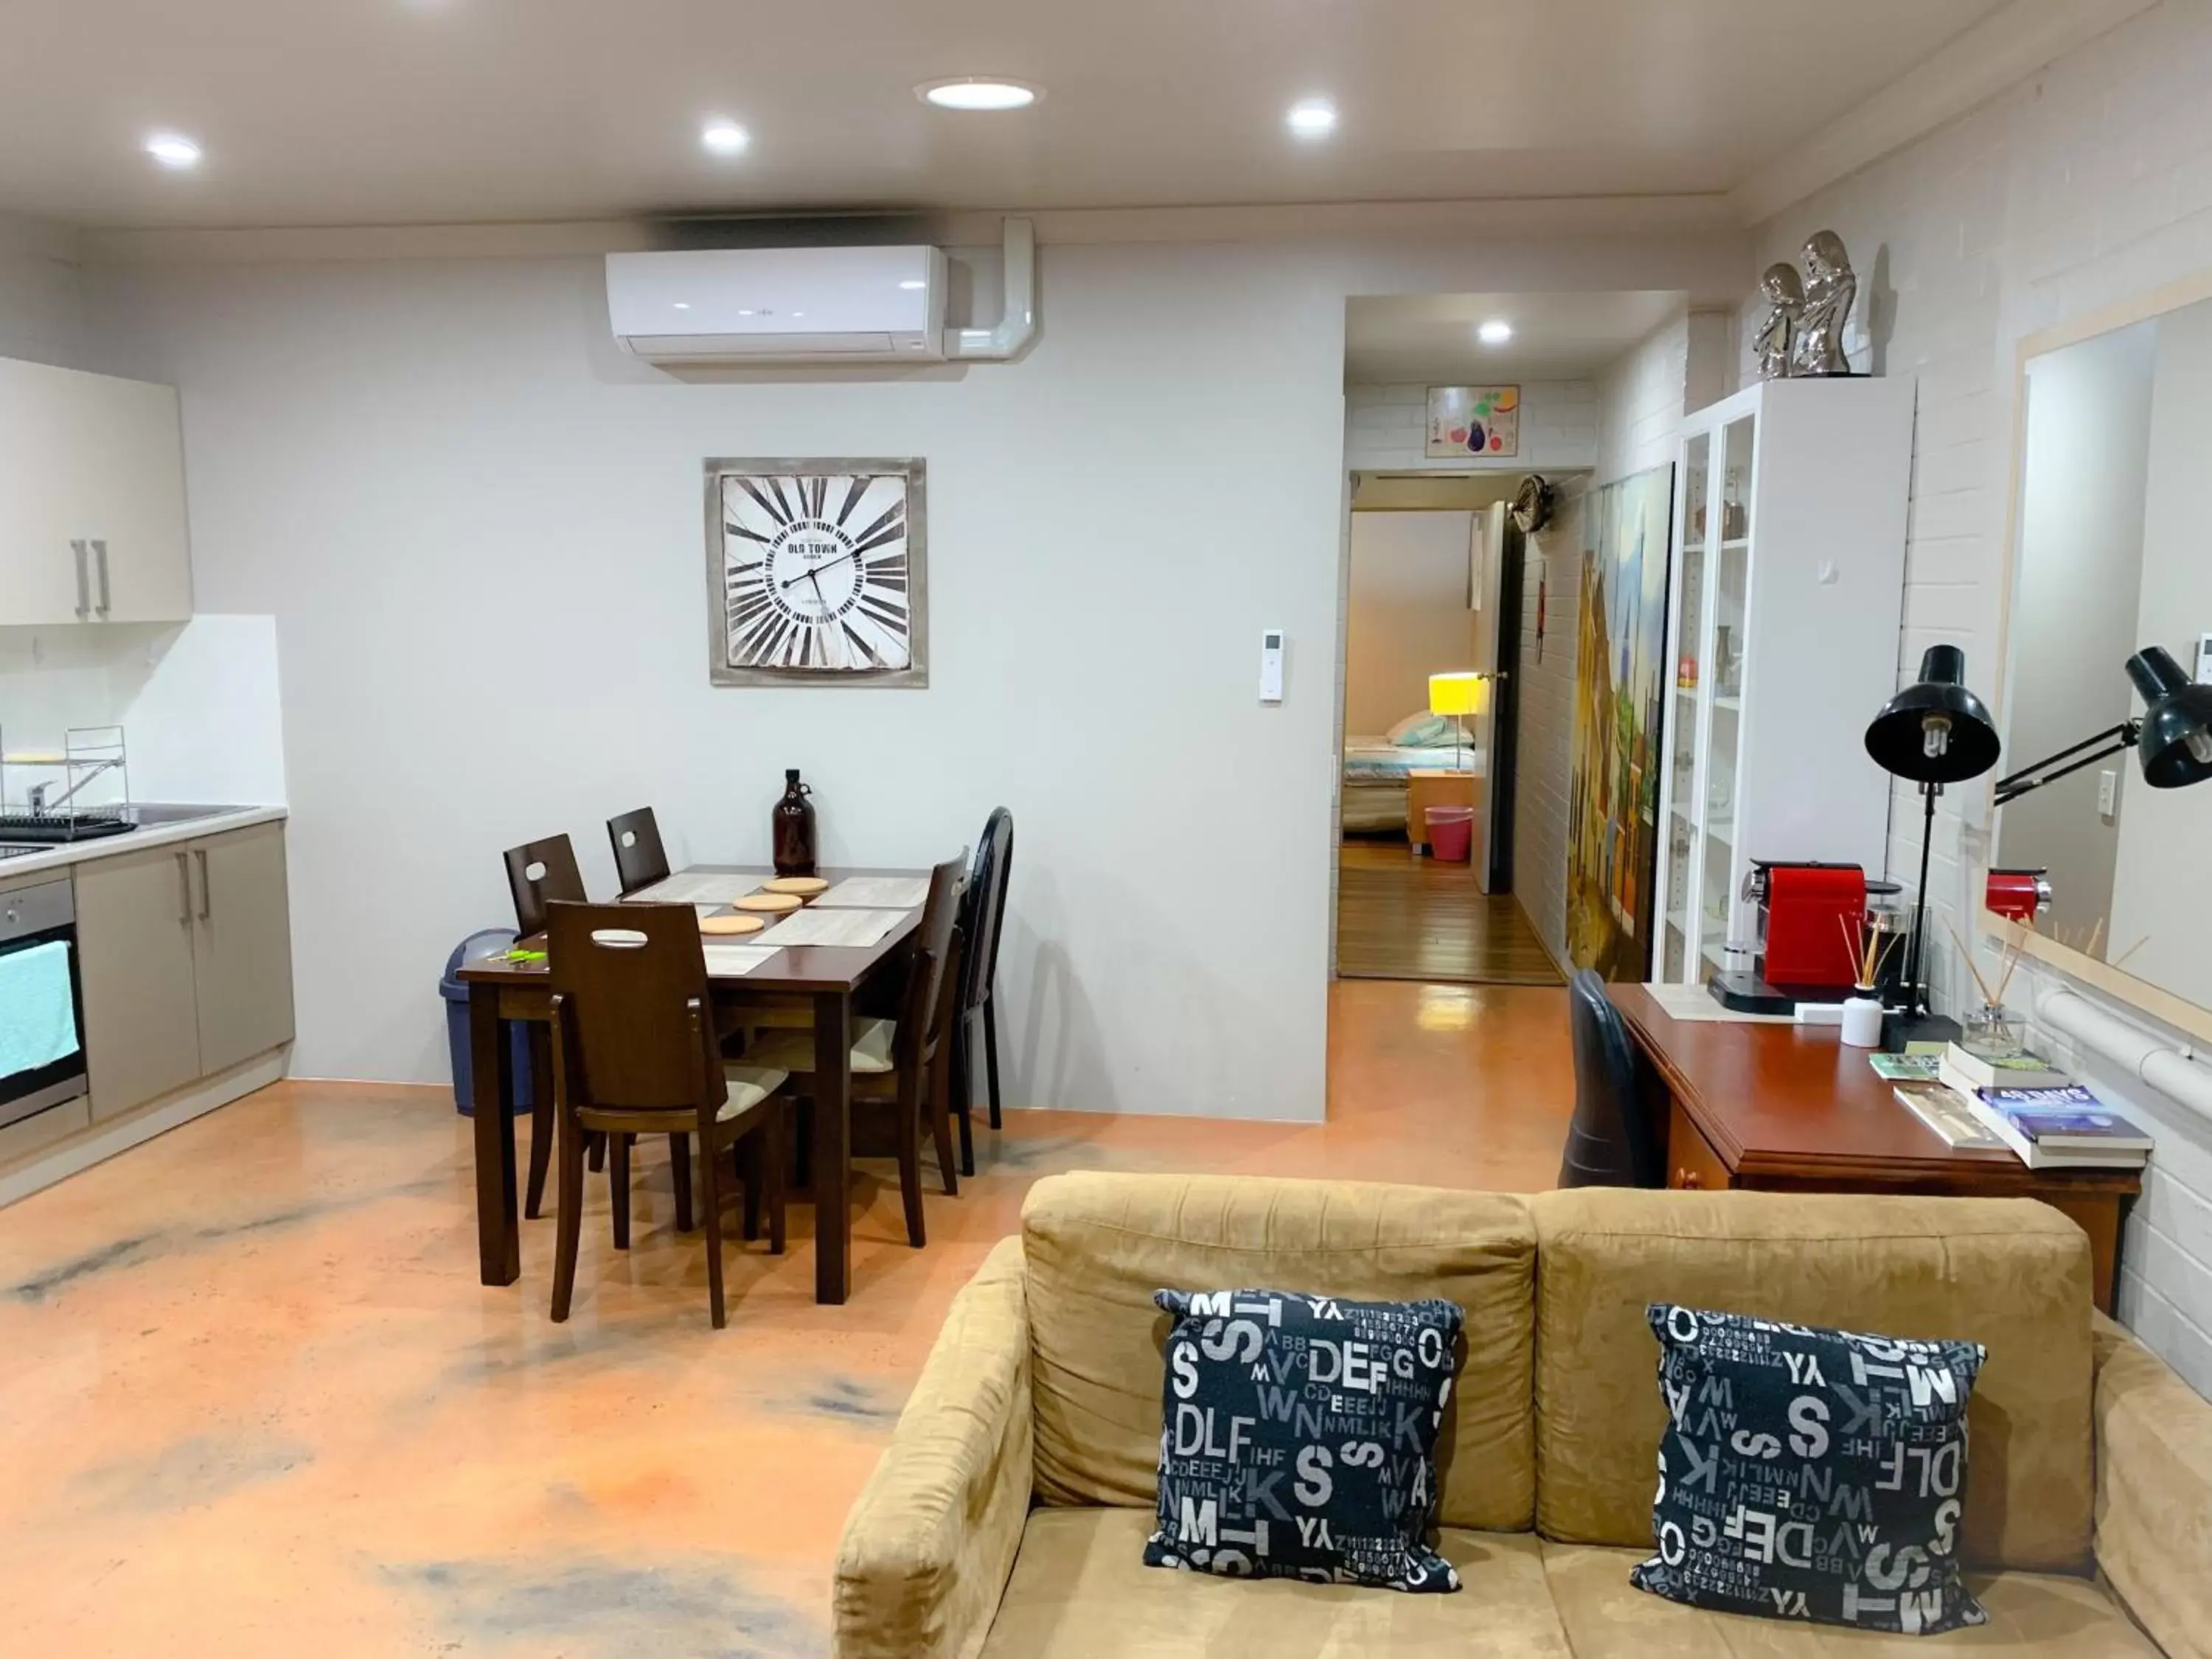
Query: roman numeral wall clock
{"points": [[816, 573]]}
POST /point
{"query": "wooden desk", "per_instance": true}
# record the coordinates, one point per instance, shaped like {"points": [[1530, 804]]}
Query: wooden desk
{"points": [[1789, 1109], [828, 977]]}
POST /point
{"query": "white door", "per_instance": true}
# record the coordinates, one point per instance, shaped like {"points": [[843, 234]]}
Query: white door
{"points": [[44, 578], [128, 446]]}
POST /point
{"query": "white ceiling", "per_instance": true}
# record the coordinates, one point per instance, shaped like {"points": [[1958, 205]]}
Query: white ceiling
{"points": [[345, 112], [1556, 336]]}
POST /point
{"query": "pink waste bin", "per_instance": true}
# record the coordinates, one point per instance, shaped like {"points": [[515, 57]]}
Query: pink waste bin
{"points": [[1451, 833]]}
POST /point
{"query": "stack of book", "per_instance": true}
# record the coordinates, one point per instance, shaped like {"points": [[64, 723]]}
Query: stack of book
{"points": [[2015, 1100]]}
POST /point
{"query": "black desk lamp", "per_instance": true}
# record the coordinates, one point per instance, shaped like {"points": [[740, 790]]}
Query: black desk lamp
{"points": [[1932, 732], [2172, 740]]}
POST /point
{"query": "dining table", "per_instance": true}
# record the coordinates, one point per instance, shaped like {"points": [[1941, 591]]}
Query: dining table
{"points": [[828, 979]]}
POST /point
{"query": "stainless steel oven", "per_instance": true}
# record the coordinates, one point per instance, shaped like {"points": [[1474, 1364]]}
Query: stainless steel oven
{"points": [[41, 1001]]}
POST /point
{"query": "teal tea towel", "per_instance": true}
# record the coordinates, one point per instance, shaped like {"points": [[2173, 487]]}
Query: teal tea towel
{"points": [[38, 1015]]}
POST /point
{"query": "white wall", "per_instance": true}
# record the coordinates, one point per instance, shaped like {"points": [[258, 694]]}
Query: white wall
{"points": [[1408, 616], [1386, 428], [477, 528], [198, 703], [2089, 184], [1641, 398], [42, 314]]}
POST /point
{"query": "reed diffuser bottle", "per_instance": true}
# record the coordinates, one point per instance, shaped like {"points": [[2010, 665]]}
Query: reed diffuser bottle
{"points": [[792, 826]]}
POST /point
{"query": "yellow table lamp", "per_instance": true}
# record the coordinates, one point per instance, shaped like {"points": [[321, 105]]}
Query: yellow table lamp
{"points": [[1459, 694]]}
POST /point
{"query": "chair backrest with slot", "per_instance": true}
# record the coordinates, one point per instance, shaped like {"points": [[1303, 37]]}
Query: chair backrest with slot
{"points": [[638, 1021], [1613, 1138], [640, 858], [922, 1008], [983, 910], [540, 873]]}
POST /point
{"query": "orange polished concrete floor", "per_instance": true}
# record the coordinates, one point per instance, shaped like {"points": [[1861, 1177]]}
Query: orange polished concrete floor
{"points": [[253, 1403]]}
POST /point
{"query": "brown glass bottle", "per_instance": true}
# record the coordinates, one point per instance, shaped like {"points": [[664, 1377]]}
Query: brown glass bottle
{"points": [[793, 823]]}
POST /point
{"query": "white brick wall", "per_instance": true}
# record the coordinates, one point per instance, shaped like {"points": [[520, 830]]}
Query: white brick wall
{"points": [[2087, 185], [1547, 715], [1640, 401], [1386, 428]]}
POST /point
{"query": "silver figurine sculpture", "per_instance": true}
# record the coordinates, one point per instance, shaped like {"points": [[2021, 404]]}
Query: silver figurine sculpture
{"points": [[1830, 290], [1778, 330]]}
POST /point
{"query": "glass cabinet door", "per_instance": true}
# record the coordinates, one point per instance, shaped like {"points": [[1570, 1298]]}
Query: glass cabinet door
{"points": [[1677, 929], [1724, 678]]}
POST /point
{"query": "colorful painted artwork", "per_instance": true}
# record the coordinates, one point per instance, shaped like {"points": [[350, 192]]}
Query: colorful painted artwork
{"points": [[1471, 420], [1620, 679]]}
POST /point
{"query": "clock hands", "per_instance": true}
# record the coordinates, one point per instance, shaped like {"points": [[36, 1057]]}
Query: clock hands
{"points": [[814, 570]]}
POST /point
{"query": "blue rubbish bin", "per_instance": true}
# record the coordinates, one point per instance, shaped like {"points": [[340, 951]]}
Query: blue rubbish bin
{"points": [[491, 942]]}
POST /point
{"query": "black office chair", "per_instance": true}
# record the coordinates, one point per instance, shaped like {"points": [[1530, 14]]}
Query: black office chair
{"points": [[1614, 1141], [982, 919]]}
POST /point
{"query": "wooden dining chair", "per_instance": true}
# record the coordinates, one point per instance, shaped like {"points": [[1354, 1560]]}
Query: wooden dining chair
{"points": [[982, 919], [540, 873], [640, 858], [635, 1053], [903, 1063]]}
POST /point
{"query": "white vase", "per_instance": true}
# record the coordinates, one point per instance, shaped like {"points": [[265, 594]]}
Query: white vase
{"points": [[1862, 1021]]}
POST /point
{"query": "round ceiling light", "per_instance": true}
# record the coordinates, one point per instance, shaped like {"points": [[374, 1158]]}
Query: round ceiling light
{"points": [[977, 92], [173, 149], [1496, 331], [1312, 118], [724, 138]]}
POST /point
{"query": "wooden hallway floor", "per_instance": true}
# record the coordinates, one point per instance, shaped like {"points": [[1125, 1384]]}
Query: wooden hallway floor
{"points": [[1402, 917]]}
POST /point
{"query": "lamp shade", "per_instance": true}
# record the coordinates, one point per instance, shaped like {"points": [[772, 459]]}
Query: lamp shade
{"points": [[1458, 694], [2175, 745], [1934, 731]]}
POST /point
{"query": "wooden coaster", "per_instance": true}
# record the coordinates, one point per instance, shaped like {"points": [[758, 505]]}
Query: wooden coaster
{"points": [[805, 886], [769, 905], [730, 924]]}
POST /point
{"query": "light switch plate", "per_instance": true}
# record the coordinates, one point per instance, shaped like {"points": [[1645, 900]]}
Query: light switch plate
{"points": [[2204, 658], [2108, 795]]}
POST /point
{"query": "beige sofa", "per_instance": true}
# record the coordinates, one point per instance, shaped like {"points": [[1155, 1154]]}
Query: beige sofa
{"points": [[1008, 1517]]}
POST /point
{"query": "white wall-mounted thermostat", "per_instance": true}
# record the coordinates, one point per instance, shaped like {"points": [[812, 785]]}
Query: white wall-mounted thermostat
{"points": [[2204, 658], [1271, 666]]}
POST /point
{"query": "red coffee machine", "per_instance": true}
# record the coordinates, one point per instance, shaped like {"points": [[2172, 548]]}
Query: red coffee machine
{"points": [[2019, 896], [1810, 919]]}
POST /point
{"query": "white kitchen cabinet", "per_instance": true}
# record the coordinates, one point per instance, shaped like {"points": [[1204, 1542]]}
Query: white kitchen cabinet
{"points": [[92, 499]]}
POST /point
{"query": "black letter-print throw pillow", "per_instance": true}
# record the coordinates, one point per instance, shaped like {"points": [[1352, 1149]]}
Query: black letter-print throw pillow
{"points": [[1300, 1438], [1811, 1474]]}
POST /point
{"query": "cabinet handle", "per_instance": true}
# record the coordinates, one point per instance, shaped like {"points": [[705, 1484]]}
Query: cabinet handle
{"points": [[184, 891], [207, 895], [83, 583], [106, 599]]}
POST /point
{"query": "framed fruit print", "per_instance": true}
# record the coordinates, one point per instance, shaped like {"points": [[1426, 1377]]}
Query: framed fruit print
{"points": [[816, 573], [1469, 421]]}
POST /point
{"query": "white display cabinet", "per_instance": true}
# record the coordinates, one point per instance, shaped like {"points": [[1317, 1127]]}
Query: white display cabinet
{"points": [[1783, 610]]}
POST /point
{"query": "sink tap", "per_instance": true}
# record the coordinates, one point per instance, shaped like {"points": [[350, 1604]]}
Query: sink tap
{"points": [[39, 800]]}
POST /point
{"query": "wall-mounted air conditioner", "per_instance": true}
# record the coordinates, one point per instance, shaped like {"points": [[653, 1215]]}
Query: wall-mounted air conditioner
{"points": [[810, 305]]}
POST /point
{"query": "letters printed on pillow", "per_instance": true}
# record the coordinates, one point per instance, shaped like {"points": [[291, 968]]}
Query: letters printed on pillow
{"points": [[1300, 1438], [1809, 1474]]}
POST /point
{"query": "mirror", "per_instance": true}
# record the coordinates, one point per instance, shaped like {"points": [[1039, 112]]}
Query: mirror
{"points": [[2112, 553]]}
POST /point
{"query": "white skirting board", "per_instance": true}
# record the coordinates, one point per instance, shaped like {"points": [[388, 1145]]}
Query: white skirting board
{"points": [[197, 1101]]}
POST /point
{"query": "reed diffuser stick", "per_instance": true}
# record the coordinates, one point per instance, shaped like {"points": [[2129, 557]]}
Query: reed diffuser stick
{"points": [[1988, 1001]]}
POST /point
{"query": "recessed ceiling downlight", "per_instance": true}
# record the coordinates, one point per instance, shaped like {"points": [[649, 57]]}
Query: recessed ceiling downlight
{"points": [[724, 138], [173, 149], [1496, 331], [1312, 118], [978, 92]]}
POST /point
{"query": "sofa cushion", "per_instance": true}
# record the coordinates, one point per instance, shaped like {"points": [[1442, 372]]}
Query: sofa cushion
{"points": [[1298, 1437], [2031, 1616], [1810, 1473], [1078, 1591], [2010, 1274], [1098, 1246]]}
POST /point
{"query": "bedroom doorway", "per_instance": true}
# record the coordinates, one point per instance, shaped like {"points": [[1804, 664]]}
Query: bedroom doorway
{"points": [[1433, 589]]}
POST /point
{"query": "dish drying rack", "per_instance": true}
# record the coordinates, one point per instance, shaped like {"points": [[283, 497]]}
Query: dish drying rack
{"points": [[87, 753]]}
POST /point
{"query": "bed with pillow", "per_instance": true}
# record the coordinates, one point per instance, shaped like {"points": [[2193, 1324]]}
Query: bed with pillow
{"points": [[1376, 769]]}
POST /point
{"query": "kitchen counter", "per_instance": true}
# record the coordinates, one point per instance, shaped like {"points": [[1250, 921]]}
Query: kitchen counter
{"points": [[170, 824]]}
